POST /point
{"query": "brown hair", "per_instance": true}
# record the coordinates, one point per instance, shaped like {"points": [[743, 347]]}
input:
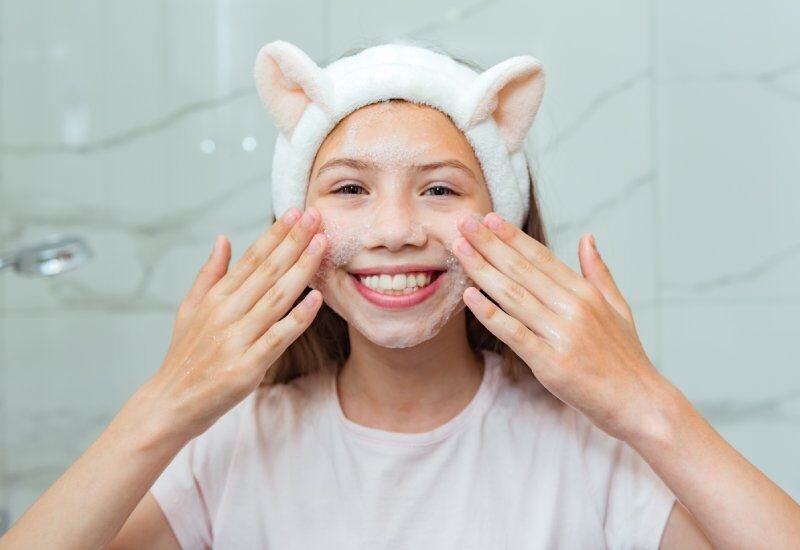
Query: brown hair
{"points": [[325, 345]]}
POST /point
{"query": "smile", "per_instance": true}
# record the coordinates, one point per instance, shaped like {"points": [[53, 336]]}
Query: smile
{"points": [[395, 289]]}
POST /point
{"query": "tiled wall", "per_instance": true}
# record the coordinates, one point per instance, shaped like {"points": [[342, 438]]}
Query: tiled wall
{"points": [[669, 129]]}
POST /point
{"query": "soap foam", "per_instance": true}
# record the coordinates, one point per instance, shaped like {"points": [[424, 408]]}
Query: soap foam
{"points": [[396, 329]]}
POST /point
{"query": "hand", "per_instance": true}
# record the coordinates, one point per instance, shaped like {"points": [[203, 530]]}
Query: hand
{"points": [[231, 327], [576, 333]]}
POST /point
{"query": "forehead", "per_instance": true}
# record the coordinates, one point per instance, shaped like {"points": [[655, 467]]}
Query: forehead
{"points": [[395, 132]]}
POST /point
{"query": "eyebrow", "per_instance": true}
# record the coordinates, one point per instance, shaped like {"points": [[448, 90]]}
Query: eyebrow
{"points": [[358, 164]]}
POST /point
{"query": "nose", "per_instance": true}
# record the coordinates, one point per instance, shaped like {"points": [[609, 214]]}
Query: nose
{"points": [[395, 225]]}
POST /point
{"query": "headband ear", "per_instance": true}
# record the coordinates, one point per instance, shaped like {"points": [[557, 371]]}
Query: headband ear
{"points": [[288, 81], [510, 92]]}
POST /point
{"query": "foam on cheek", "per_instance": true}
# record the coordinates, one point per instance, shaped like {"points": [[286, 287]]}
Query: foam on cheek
{"points": [[449, 300], [344, 240]]}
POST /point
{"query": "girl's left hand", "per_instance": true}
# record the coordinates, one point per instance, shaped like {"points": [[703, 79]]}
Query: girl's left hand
{"points": [[576, 333]]}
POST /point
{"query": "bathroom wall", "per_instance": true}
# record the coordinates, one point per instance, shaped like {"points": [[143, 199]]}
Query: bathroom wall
{"points": [[669, 129]]}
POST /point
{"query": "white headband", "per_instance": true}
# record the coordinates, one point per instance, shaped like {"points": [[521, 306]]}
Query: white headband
{"points": [[493, 109]]}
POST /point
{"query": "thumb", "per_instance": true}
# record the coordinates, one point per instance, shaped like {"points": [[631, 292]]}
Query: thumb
{"points": [[596, 271], [213, 270]]}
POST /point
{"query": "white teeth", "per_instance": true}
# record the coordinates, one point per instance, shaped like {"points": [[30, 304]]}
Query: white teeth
{"points": [[401, 283]]}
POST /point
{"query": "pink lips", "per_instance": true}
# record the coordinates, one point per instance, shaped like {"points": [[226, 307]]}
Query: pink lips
{"points": [[397, 301]]}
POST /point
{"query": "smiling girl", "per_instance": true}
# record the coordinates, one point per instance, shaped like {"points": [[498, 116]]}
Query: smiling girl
{"points": [[392, 416]]}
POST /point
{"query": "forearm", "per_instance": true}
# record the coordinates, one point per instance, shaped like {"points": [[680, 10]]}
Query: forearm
{"points": [[87, 506], [735, 504]]}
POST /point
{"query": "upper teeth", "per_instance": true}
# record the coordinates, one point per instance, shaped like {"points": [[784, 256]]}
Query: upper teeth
{"points": [[403, 282]]}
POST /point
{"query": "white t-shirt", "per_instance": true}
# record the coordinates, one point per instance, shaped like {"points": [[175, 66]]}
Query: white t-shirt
{"points": [[517, 468]]}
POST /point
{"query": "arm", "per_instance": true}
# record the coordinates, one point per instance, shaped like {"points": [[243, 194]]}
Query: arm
{"points": [[682, 531], [229, 330], [576, 333], [731, 501], [88, 504]]}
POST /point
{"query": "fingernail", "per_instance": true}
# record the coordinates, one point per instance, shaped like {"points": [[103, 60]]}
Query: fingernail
{"points": [[493, 221], [311, 300], [470, 224], [594, 243], [472, 296], [464, 247], [316, 244], [308, 219], [216, 245], [290, 216]]}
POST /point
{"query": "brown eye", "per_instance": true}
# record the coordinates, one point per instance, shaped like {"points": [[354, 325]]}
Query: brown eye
{"points": [[440, 190], [350, 189]]}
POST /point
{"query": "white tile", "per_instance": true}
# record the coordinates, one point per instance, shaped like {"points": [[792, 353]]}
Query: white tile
{"points": [[738, 365], [718, 37]]}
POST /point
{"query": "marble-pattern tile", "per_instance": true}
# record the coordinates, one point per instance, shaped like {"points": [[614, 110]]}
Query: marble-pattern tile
{"points": [[138, 127]]}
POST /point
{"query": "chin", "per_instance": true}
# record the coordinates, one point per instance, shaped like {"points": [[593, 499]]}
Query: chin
{"points": [[404, 336]]}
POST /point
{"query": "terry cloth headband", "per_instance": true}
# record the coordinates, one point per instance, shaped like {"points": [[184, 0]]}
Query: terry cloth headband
{"points": [[493, 109]]}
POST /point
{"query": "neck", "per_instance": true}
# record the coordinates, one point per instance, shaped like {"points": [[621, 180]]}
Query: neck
{"points": [[411, 389]]}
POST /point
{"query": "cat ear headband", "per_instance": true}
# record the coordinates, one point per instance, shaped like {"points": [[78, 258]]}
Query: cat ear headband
{"points": [[493, 109]]}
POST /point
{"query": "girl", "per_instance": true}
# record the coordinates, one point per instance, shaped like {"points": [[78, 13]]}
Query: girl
{"points": [[391, 416]]}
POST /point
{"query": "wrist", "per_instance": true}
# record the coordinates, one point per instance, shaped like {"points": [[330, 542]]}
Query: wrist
{"points": [[659, 424], [148, 425]]}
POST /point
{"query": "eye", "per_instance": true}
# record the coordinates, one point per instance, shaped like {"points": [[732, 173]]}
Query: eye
{"points": [[350, 189], [440, 190]]}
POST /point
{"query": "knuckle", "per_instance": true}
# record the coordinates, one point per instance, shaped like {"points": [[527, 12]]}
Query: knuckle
{"points": [[297, 237], [542, 255], [251, 258], [479, 264], [521, 266], [276, 293], [490, 311], [273, 339], [581, 309], [298, 316], [270, 270], [514, 292], [518, 333], [588, 292]]}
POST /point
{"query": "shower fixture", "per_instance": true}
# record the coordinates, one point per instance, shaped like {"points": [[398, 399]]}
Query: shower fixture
{"points": [[52, 255]]}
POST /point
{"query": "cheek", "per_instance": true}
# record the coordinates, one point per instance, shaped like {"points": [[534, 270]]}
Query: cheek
{"points": [[345, 233]]}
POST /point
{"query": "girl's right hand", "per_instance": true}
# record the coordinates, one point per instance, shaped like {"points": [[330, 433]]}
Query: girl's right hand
{"points": [[232, 327]]}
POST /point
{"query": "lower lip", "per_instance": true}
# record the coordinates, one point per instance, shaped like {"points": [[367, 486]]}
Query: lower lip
{"points": [[397, 301]]}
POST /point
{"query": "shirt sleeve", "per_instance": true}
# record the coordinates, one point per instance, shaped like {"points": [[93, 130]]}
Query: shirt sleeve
{"points": [[632, 501], [189, 490], [180, 496], [639, 502]]}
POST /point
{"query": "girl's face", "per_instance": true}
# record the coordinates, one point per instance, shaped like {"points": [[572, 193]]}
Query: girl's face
{"points": [[391, 181]]}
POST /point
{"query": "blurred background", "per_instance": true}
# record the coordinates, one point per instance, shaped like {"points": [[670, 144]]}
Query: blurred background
{"points": [[668, 129]]}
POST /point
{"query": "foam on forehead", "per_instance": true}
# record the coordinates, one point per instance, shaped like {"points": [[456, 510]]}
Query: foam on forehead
{"points": [[386, 149]]}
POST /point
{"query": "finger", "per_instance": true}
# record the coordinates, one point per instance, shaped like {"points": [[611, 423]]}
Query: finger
{"points": [[258, 251], [528, 346], [537, 253], [596, 271], [212, 271], [514, 265], [277, 300], [511, 296], [270, 345], [276, 264]]}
